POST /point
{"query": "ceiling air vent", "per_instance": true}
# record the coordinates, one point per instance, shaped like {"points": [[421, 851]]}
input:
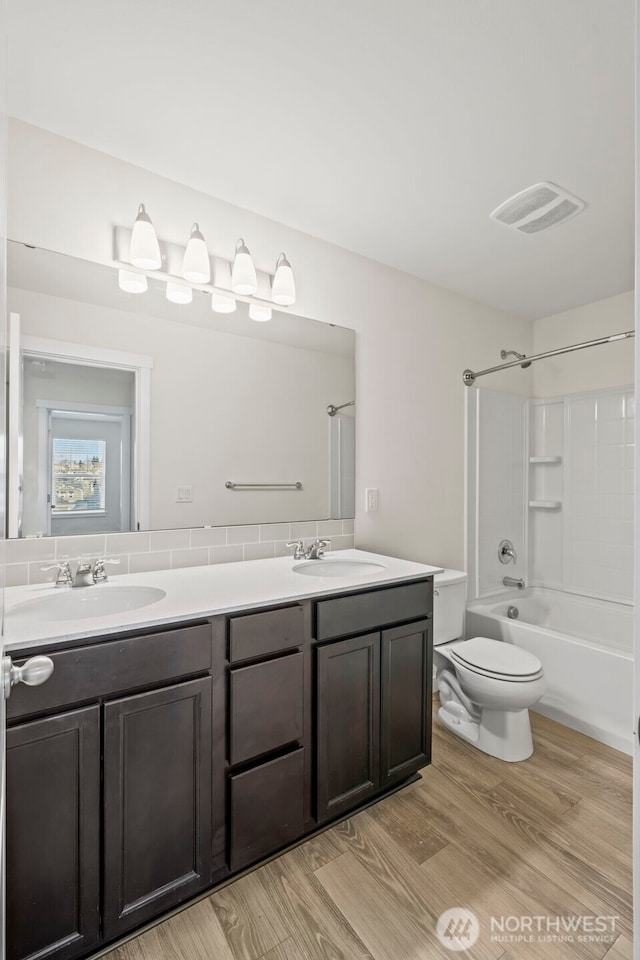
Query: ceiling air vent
{"points": [[537, 208]]}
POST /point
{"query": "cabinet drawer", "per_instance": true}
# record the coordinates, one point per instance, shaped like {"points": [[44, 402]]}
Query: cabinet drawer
{"points": [[267, 808], [114, 666], [265, 706], [359, 612], [259, 634]]}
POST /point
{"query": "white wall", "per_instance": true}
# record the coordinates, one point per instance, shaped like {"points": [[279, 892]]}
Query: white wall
{"points": [[611, 365], [223, 407], [414, 339]]}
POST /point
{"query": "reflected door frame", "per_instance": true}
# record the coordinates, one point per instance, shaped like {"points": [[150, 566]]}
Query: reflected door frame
{"points": [[67, 352]]}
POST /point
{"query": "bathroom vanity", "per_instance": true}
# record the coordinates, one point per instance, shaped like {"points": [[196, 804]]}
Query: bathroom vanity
{"points": [[169, 751]]}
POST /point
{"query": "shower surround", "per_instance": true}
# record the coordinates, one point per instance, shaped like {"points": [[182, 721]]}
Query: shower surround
{"points": [[556, 477]]}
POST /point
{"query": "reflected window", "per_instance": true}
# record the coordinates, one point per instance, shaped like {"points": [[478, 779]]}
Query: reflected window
{"points": [[78, 475]]}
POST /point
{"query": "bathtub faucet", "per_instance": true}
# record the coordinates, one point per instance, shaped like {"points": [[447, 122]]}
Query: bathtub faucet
{"points": [[514, 582]]}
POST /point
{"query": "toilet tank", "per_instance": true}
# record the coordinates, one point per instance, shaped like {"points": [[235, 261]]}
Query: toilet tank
{"points": [[449, 598]]}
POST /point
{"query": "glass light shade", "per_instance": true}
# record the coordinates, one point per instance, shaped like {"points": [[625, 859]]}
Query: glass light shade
{"points": [[221, 303], [145, 249], [178, 292], [259, 312], [283, 288], [196, 267], [132, 282], [243, 273]]}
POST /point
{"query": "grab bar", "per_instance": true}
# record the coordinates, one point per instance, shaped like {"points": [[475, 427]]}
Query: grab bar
{"points": [[231, 485]]}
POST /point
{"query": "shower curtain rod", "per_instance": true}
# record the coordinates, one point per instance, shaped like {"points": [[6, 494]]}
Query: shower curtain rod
{"points": [[470, 376]]}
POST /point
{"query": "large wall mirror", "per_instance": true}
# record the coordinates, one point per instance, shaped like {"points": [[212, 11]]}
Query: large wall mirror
{"points": [[130, 412]]}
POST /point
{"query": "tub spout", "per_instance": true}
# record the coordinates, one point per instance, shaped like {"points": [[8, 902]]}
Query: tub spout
{"points": [[514, 582]]}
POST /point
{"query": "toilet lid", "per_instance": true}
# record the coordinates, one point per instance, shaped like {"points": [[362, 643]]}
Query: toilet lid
{"points": [[496, 657]]}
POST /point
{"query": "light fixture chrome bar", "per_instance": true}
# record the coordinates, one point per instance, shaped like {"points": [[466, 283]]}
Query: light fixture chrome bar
{"points": [[231, 485], [332, 410], [470, 376]]}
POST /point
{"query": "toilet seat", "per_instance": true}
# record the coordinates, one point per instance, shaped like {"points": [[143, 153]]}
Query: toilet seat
{"points": [[497, 660]]}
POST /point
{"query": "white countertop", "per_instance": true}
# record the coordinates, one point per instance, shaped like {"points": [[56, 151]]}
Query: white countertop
{"points": [[196, 592]]}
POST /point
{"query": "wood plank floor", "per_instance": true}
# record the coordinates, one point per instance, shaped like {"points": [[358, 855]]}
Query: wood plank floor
{"points": [[547, 837]]}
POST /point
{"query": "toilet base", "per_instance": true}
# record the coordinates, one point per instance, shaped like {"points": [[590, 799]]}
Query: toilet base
{"points": [[505, 734]]}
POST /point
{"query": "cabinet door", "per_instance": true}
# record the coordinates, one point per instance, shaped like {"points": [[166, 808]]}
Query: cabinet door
{"points": [[157, 795], [348, 723], [53, 836], [406, 674]]}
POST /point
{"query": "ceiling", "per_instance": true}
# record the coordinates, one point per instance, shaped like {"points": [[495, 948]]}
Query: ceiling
{"points": [[392, 130]]}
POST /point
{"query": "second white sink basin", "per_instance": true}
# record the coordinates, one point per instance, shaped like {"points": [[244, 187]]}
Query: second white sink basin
{"points": [[83, 603], [338, 568]]}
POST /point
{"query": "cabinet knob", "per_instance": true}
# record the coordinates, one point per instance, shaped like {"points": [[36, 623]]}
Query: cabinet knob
{"points": [[35, 671]]}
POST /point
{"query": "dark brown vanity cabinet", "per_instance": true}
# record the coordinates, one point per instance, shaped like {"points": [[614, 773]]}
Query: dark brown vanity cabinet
{"points": [[373, 695], [153, 766]]}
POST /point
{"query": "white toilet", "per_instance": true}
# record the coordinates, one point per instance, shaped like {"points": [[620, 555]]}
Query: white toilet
{"points": [[486, 686]]}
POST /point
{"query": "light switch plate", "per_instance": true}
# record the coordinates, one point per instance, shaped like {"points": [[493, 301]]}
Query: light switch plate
{"points": [[184, 494], [371, 499]]}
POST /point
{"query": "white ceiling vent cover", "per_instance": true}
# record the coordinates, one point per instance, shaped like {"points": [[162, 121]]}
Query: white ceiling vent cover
{"points": [[537, 208]]}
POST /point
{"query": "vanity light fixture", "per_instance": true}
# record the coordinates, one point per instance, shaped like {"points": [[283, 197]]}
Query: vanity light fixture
{"points": [[196, 267], [132, 282], [145, 249], [257, 311], [243, 273], [185, 269], [221, 303], [283, 288], [179, 292]]}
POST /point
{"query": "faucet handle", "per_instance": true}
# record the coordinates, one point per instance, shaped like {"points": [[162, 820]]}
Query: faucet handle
{"points": [[321, 544], [99, 572], [298, 553], [64, 578], [506, 552]]}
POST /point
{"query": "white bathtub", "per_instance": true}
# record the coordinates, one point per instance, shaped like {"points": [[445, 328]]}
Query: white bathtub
{"points": [[586, 649]]}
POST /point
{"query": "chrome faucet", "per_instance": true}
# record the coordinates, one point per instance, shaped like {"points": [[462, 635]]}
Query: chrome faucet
{"points": [[313, 552], [83, 576], [514, 582], [86, 573]]}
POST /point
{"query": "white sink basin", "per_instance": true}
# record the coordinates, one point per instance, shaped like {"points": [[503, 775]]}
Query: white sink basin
{"points": [[338, 568], [83, 603]]}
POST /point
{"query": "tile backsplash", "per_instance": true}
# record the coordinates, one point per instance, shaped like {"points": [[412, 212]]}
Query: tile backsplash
{"points": [[152, 550]]}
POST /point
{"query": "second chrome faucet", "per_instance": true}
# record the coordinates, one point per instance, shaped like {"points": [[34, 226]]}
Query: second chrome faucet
{"points": [[312, 552]]}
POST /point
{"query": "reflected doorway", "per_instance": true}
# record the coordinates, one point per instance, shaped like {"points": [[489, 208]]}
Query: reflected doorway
{"points": [[88, 471]]}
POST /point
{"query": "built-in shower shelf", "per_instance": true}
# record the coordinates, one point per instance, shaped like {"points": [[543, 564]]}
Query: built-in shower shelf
{"points": [[545, 504], [545, 459]]}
